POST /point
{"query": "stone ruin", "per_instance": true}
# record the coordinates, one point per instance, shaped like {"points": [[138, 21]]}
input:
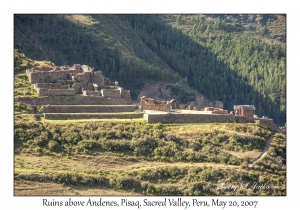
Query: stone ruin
{"points": [[151, 104], [167, 106], [78, 92], [72, 80], [68, 88]]}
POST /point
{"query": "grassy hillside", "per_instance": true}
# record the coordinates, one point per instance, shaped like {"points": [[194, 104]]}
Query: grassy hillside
{"points": [[136, 158]]}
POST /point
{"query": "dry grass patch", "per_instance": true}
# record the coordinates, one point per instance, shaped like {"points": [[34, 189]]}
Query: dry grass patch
{"points": [[81, 19], [31, 188], [44, 65], [252, 155]]}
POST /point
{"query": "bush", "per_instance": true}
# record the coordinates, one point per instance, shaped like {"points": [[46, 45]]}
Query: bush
{"points": [[253, 176], [244, 165], [89, 144], [144, 147], [53, 146]]}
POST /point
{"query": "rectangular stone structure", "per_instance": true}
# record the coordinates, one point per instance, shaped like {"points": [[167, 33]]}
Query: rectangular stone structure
{"points": [[87, 108], [73, 100], [189, 118], [73, 116]]}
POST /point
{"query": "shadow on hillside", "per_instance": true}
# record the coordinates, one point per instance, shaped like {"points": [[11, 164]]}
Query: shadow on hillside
{"points": [[196, 62]]}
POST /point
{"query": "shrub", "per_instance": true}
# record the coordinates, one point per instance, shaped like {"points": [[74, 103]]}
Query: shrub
{"points": [[197, 188], [53, 146], [144, 147], [244, 165], [253, 176], [89, 144]]}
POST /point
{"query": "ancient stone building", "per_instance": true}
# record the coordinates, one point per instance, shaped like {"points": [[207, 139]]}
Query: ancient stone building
{"points": [[76, 79], [151, 104], [173, 103], [78, 68], [244, 110]]}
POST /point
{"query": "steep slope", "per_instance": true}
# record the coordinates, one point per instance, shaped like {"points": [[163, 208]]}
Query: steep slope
{"points": [[223, 61], [236, 59], [101, 42], [146, 159]]}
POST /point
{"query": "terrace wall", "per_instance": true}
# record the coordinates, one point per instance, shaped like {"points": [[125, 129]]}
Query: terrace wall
{"points": [[111, 93], [266, 121], [48, 76], [73, 116], [87, 109], [73, 100], [55, 92], [189, 118]]}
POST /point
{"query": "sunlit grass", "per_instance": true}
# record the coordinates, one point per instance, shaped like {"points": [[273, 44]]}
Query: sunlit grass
{"points": [[22, 87], [135, 157]]}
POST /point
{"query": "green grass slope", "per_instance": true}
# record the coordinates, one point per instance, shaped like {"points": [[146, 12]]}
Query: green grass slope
{"points": [[136, 158]]}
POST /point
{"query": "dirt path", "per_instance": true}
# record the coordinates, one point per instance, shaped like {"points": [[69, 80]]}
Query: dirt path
{"points": [[264, 152]]}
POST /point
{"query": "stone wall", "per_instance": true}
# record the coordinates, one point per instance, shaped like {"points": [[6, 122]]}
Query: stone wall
{"points": [[66, 82], [202, 118], [55, 92], [91, 93], [151, 104], [91, 116], [83, 78], [73, 100], [243, 119], [87, 109], [98, 78], [111, 93], [88, 88], [77, 87], [189, 118], [266, 121], [48, 76], [51, 86], [220, 112], [125, 94]]}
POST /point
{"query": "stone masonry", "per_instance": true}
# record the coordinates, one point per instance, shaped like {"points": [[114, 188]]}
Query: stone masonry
{"points": [[151, 104], [188, 118], [73, 100], [87, 108], [76, 79]]}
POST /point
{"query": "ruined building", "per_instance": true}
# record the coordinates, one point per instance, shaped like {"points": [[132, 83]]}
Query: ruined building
{"points": [[151, 104], [76, 79], [244, 110]]}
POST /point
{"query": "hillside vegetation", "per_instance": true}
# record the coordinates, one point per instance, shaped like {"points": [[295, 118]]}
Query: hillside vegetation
{"points": [[236, 59], [133, 157]]}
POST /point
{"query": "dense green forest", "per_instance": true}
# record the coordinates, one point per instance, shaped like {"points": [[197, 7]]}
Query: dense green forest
{"points": [[236, 59]]}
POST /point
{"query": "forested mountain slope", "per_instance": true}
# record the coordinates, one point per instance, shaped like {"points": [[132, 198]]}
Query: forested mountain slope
{"points": [[236, 59]]}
